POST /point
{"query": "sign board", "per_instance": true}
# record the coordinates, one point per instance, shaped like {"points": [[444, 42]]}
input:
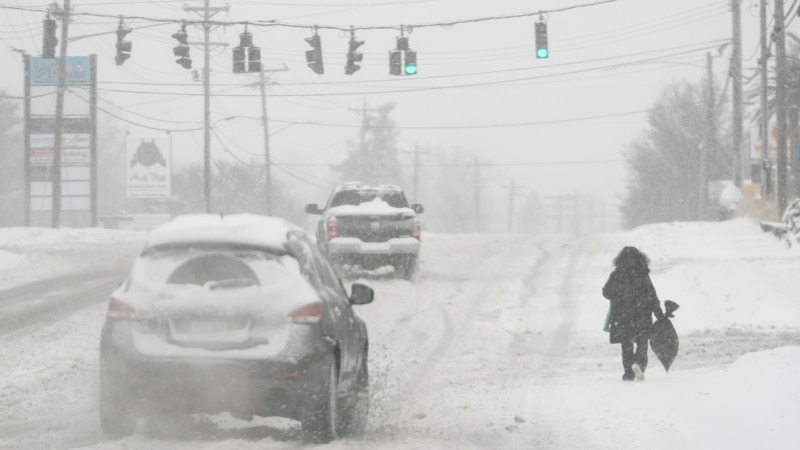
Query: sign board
{"points": [[772, 142], [149, 160], [44, 71], [77, 189], [77, 101], [75, 149]]}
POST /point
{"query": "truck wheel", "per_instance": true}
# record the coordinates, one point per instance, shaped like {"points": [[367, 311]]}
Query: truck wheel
{"points": [[406, 267]]}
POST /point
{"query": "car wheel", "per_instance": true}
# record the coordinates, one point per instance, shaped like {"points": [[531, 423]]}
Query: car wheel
{"points": [[117, 419], [356, 410], [406, 267], [320, 422]]}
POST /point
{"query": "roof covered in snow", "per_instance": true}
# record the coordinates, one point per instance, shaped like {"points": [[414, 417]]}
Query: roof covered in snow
{"points": [[237, 229], [374, 207]]}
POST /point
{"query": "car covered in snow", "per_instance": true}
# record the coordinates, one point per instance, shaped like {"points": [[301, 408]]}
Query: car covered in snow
{"points": [[237, 313], [370, 226]]}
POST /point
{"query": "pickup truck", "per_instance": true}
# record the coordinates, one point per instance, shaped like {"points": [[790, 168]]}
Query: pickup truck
{"points": [[371, 227]]}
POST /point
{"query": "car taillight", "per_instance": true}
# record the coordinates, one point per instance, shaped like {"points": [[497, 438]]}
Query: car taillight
{"points": [[417, 228], [310, 313], [119, 309], [332, 227]]}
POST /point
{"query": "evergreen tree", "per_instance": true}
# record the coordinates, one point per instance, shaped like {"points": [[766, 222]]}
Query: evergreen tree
{"points": [[664, 175], [374, 158]]}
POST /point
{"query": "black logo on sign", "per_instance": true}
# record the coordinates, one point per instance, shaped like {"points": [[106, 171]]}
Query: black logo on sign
{"points": [[148, 154]]}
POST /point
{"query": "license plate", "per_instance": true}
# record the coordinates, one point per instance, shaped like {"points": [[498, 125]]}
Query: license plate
{"points": [[209, 327]]}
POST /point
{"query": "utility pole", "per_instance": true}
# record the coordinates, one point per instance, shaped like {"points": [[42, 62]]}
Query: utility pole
{"points": [[364, 122], [736, 73], [780, 104], [477, 195], [208, 12], [59, 125], [416, 154], [766, 179], [792, 114], [512, 194], [265, 128], [710, 143], [206, 109]]}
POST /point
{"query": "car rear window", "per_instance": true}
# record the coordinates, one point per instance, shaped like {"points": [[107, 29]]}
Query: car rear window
{"points": [[395, 199], [213, 268]]}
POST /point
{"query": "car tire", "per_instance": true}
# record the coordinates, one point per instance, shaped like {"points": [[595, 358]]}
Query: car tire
{"points": [[117, 419], [406, 267], [320, 422], [355, 412]]}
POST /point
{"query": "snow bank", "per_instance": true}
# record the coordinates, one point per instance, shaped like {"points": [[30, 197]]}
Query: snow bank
{"points": [[51, 238]]}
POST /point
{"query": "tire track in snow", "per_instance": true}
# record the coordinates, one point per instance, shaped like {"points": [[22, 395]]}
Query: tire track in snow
{"points": [[443, 332]]}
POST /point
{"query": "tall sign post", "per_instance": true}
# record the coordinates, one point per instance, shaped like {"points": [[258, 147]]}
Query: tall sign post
{"points": [[75, 167]]}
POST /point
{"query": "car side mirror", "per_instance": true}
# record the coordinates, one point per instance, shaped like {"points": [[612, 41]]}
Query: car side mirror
{"points": [[313, 208], [418, 208], [361, 293]]}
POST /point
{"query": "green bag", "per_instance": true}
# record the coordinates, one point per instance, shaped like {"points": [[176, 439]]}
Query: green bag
{"points": [[607, 324]]}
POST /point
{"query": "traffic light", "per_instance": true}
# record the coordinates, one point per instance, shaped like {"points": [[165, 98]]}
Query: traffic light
{"points": [[238, 60], [541, 40], [49, 42], [123, 46], [395, 62], [402, 43], [402, 60], [314, 56], [246, 62], [410, 67], [353, 56], [182, 49], [254, 59]]}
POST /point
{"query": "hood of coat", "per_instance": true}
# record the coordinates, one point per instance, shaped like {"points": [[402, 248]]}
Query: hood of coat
{"points": [[631, 259]]}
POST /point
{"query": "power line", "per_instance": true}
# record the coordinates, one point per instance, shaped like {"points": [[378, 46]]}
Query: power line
{"points": [[472, 164], [274, 23], [434, 88], [480, 126]]}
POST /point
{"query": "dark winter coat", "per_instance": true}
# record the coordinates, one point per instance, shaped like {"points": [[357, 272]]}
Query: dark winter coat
{"points": [[633, 297]]}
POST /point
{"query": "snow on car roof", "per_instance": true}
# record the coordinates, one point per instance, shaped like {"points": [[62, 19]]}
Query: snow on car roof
{"points": [[242, 229], [357, 185]]}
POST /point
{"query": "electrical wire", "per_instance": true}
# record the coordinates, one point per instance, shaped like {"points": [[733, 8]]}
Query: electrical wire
{"points": [[273, 23], [430, 88], [474, 126]]}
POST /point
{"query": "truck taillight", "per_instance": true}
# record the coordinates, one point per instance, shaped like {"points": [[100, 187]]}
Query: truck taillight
{"points": [[417, 233], [332, 227], [119, 309], [308, 314]]}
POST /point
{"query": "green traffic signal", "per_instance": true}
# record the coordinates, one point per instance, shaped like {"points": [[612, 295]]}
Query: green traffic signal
{"points": [[541, 40], [410, 66], [542, 53]]}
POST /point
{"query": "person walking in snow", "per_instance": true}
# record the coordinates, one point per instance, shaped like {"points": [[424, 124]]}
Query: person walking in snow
{"points": [[633, 303]]}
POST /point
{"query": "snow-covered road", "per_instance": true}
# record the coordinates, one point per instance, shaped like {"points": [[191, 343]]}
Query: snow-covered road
{"points": [[496, 344]]}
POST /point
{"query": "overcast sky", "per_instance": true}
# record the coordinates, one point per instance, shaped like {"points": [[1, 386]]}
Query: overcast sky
{"points": [[477, 81]]}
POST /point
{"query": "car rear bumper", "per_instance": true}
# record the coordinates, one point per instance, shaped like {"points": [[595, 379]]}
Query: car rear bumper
{"points": [[395, 246], [275, 387]]}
